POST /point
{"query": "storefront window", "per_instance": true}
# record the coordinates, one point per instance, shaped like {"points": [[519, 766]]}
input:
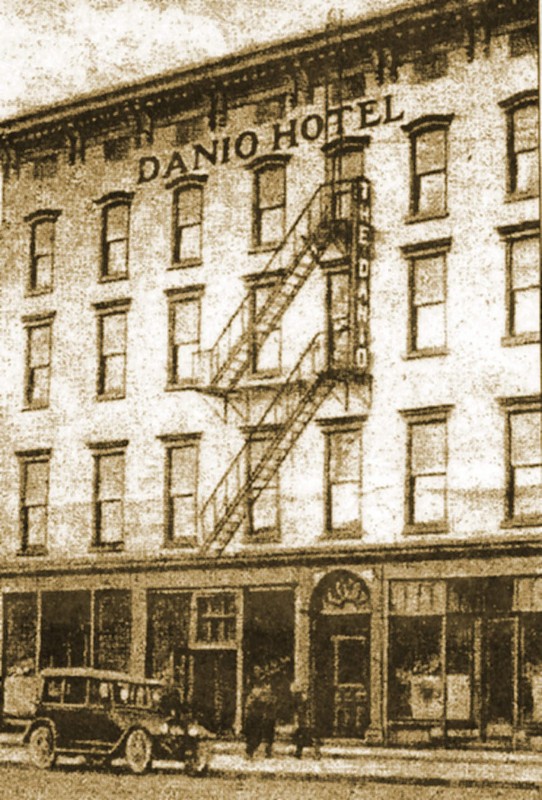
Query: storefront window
{"points": [[459, 649], [216, 619], [416, 690]]}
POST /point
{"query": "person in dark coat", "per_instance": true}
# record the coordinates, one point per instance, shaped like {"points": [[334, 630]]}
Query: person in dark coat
{"points": [[304, 733], [260, 715]]}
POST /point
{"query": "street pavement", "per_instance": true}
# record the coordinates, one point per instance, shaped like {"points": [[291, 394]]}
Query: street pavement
{"points": [[436, 767]]}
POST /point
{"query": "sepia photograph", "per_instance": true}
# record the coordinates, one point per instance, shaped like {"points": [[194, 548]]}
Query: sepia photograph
{"points": [[270, 400]]}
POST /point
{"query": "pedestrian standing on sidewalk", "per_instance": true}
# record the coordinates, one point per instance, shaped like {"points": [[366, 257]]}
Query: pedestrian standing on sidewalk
{"points": [[260, 715], [304, 733]]}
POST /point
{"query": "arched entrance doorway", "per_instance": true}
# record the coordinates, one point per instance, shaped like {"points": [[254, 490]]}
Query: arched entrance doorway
{"points": [[340, 655]]}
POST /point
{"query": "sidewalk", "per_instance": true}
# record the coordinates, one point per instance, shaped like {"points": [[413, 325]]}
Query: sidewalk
{"points": [[378, 764]]}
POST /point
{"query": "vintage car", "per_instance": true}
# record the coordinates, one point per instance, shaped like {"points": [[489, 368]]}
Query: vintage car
{"points": [[105, 715]]}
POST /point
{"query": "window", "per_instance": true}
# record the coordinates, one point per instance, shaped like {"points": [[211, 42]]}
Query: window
{"points": [[427, 297], [344, 163], [181, 489], [524, 462], [115, 237], [264, 498], [109, 467], [342, 479], [112, 336], [39, 332], [523, 169], [34, 493], [269, 204], [42, 248], [189, 130], [188, 222], [184, 335], [426, 470], [428, 154], [216, 618], [45, 166], [116, 149], [266, 343], [416, 689], [523, 281]]}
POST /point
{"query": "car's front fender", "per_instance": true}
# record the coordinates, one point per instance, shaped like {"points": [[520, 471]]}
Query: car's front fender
{"points": [[35, 724]]}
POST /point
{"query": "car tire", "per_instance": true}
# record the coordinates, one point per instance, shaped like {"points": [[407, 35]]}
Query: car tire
{"points": [[138, 751], [198, 764], [41, 745]]}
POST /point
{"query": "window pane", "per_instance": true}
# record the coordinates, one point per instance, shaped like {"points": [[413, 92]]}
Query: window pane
{"points": [[432, 194], [261, 295], [117, 256], [113, 333], [527, 491], [183, 517], [38, 386], [527, 172], [350, 166], [36, 526], [111, 477], [525, 254], [43, 238], [264, 510], [344, 505], [429, 280], [429, 499], [114, 375], [42, 272], [526, 128], [268, 355], [110, 521], [184, 366], [190, 242], [271, 188], [39, 346], [183, 466], [271, 225], [189, 206], [117, 222], [186, 321], [415, 683], [344, 456], [526, 311], [430, 151], [525, 432], [428, 448], [430, 328], [257, 449], [37, 474]]}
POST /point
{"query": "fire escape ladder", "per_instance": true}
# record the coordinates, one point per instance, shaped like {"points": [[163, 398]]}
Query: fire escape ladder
{"points": [[294, 260], [289, 413]]}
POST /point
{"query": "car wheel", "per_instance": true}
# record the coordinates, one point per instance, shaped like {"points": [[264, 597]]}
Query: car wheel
{"points": [[198, 764], [138, 751], [42, 747]]}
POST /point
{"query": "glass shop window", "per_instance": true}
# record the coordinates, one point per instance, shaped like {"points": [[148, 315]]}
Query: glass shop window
{"points": [[415, 679]]}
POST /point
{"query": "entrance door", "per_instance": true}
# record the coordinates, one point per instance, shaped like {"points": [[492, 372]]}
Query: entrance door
{"points": [[350, 685], [500, 640]]}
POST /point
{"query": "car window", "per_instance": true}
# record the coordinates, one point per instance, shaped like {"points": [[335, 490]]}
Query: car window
{"points": [[141, 696], [100, 692], [122, 694], [52, 690], [75, 691]]}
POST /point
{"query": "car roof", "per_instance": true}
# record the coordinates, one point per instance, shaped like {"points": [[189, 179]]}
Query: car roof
{"points": [[99, 674]]}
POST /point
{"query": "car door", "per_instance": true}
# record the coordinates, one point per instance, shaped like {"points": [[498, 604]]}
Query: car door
{"points": [[104, 730]]}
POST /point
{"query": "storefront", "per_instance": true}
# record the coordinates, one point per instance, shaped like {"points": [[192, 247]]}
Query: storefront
{"points": [[403, 651]]}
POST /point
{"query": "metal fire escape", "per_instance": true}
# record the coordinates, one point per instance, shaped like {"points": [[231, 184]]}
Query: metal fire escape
{"points": [[333, 227]]}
